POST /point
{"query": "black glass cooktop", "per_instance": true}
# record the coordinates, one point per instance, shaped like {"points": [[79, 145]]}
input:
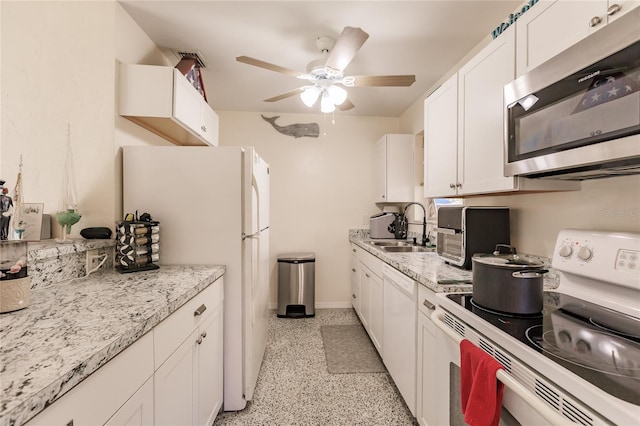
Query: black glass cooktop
{"points": [[598, 344]]}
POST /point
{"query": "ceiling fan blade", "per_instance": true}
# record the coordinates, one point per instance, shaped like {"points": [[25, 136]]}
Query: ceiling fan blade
{"points": [[384, 80], [268, 66], [284, 95], [346, 105], [350, 41]]}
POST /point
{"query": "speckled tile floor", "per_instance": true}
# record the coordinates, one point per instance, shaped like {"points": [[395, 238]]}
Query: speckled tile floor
{"points": [[295, 388]]}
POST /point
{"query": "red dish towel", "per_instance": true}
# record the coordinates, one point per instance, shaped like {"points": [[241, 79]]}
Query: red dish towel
{"points": [[481, 392]]}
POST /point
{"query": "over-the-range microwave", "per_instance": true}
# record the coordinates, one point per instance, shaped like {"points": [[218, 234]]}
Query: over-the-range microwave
{"points": [[577, 116]]}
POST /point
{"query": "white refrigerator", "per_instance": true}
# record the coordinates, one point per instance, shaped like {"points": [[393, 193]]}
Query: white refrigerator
{"points": [[213, 208]]}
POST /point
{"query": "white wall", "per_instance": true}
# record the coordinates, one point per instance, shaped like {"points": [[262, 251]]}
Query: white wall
{"points": [[59, 66], [57, 69], [320, 188]]}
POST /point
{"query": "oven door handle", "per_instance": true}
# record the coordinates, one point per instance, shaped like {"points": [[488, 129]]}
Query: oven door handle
{"points": [[543, 409]]}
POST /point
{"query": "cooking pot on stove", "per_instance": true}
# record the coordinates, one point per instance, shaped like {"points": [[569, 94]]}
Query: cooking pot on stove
{"points": [[505, 281]]}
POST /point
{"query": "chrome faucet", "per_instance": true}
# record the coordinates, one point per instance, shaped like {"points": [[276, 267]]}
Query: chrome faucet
{"points": [[424, 221]]}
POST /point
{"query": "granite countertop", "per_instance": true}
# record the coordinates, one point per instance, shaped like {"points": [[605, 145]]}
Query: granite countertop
{"points": [[428, 269], [71, 329]]}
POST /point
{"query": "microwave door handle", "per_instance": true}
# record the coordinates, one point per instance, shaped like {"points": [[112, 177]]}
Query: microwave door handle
{"points": [[544, 410]]}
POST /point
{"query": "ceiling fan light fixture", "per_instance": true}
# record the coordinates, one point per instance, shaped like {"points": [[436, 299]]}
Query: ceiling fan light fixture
{"points": [[349, 81], [337, 94], [310, 95], [326, 104]]}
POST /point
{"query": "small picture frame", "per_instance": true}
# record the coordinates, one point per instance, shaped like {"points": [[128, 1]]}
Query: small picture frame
{"points": [[32, 216]]}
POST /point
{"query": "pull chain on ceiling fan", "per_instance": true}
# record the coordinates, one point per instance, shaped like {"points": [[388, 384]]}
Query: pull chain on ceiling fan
{"points": [[326, 74]]}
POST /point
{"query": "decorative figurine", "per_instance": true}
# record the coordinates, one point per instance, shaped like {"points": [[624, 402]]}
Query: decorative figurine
{"points": [[6, 210], [18, 224]]}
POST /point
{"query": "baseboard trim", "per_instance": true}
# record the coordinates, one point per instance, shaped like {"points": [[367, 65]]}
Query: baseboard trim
{"points": [[322, 305]]}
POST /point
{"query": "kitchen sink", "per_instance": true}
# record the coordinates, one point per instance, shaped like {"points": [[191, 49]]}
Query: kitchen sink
{"points": [[408, 248], [389, 243]]}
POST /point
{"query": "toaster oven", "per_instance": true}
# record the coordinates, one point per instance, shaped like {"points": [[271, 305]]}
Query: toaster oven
{"points": [[466, 230]]}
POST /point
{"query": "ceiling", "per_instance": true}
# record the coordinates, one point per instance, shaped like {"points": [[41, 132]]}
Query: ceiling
{"points": [[425, 38]]}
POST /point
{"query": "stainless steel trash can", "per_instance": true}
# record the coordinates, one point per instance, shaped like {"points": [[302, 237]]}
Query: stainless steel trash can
{"points": [[296, 285]]}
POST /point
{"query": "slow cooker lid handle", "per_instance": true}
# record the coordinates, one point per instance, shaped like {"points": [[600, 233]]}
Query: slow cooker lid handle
{"points": [[504, 249]]}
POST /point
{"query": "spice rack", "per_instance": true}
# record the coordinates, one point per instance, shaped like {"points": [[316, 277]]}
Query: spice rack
{"points": [[137, 246]]}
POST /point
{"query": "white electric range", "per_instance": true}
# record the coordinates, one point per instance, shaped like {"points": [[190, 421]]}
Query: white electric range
{"points": [[577, 361]]}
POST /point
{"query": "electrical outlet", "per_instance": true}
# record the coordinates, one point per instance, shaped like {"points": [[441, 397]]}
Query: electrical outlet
{"points": [[93, 260]]}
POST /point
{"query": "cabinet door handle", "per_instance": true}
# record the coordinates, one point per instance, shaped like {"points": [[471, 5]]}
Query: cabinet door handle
{"points": [[69, 423], [203, 334], [452, 186], [613, 9], [595, 21], [353, 295], [367, 275], [429, 305], [458, 185], [199, 340], [353, 269], [204, 129], [354, 250], [200, 310]]}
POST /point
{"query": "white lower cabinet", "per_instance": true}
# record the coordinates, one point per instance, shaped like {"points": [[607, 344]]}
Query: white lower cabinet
{"points": [[426, 388], [174, 389], [111, 389], [138, 410], [377, 299], [365, 296], [209, 370], [162, 379], [355, 281], [188, 382], [368, 300]]}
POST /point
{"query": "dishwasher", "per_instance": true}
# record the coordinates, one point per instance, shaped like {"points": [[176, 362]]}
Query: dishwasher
{"points": [[399, 331]]}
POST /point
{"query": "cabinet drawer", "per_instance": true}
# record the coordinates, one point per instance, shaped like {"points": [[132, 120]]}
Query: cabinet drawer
{"points": [[370, 261], [171, 332], [426, 300], [115, 382]]}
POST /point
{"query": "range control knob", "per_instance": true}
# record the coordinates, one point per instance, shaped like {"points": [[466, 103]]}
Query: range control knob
{"points": [[565, 251], [564, 336], [583, 347], [585, 253]]}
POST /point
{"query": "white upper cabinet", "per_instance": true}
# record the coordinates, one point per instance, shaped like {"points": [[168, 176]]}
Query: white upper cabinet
{"points": [[162, 100], [550, 27], [464, 125], [481, 117], [464, 129], [441, 140], [393, 169]]}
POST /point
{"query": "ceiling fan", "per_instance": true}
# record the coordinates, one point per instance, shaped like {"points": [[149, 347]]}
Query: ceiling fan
{"points": [[326, 75]]}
